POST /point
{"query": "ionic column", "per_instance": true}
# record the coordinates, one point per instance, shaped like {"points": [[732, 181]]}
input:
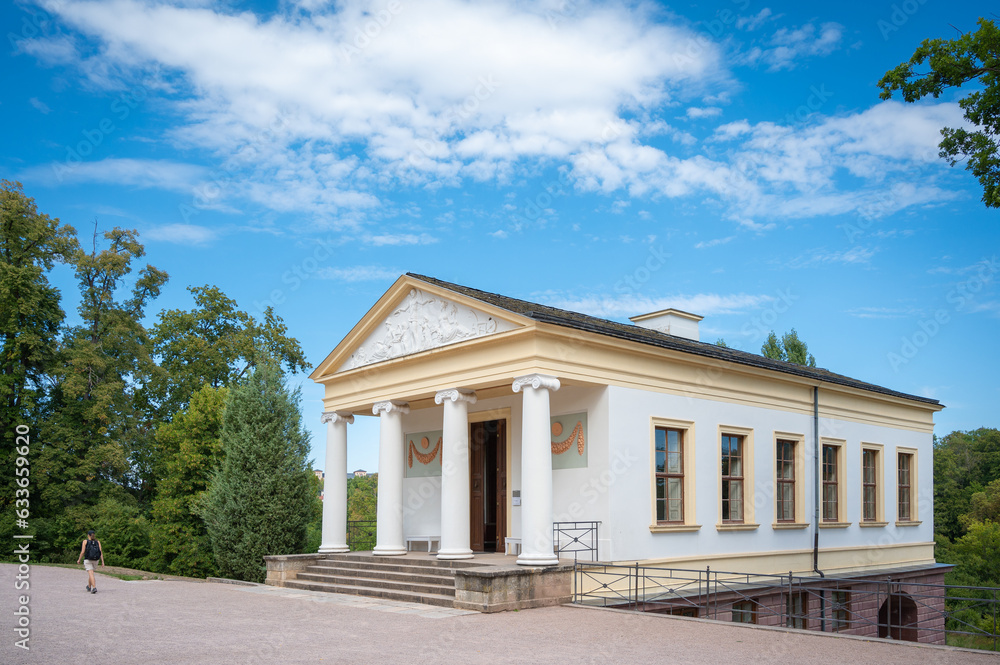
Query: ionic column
{"points": [[536, 470], [335, 483], [389, 529], [455, 498]]}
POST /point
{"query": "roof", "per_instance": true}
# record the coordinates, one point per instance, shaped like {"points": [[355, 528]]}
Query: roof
{"points": [[639, 335]]}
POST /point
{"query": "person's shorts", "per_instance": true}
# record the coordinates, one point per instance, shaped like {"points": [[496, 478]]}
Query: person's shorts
{"points": [[89, 565]]}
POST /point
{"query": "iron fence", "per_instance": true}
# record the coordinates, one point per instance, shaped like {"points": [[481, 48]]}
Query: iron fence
{"points": [[576, 538], [870, 606], [361, 535]]}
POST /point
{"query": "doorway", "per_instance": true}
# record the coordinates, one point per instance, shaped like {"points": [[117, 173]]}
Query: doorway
{"points": [[488, 478], [897, 618]]}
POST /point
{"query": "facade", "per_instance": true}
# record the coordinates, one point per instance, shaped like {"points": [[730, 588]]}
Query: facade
{"points": [[500, 417]]}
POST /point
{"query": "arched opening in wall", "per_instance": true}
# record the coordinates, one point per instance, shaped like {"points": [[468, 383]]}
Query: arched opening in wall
{"points": [[897, 618]]}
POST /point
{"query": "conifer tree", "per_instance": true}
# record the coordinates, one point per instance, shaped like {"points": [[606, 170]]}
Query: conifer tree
{"points": [[259, 503]]}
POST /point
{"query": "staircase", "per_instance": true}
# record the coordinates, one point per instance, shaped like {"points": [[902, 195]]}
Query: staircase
{"points": [[424, 580]]}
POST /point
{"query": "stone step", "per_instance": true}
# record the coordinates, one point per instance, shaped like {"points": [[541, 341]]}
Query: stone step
{"points": [[387, 594], [373, 583], [388, 567], [445, 577], [425, 562]]}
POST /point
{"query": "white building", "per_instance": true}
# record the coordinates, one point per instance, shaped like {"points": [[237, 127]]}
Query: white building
{"points": [[499, 417]]}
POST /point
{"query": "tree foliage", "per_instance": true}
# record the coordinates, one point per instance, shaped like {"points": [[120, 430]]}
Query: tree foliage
{"points": [[259, 502], [179, 542], [952, 63], [965, 463], [790, 349]]}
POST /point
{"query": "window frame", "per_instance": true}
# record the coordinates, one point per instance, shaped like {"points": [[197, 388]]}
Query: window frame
{"points": [[747, 442], [745, 609], [839, 447], [666, 475], [877, 519], [798, 520], [687, 428], [841, 608], [797, 620], [914, 518]]}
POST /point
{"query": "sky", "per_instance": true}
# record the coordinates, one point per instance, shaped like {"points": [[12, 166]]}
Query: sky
{"points": [[731, 159]]}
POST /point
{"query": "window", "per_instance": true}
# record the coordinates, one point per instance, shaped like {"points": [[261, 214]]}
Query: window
{"points": [[831, 491], [745, 611], [785, 474], [669, 475], [841, 609], [732, 478], [904, 484], [796, 607], [869, 485], [671, 481]]}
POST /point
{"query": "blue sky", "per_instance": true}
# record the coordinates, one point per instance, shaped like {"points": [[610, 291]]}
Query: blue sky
{"points": [[306, 153]]}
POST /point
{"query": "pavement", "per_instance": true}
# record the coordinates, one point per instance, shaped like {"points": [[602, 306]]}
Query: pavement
{"points": [[171, 622]]}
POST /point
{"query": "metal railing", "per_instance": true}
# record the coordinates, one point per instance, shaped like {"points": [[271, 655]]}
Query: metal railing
{"points": [[870, 606], [361, 535], [576, 539]]}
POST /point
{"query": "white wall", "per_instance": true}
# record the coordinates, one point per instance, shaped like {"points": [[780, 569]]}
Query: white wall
{"points": [[631, 505]]}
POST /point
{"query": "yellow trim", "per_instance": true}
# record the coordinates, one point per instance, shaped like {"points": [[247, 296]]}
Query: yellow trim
{"points": [[491, 362], [914, 478], [778, 526], [669, 528], [736, 527], [868, 525], [879, 450], [688, 459], [748, 476], [835, 525], [498, 414]]}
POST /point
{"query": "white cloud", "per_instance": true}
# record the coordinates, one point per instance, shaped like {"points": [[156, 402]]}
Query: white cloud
{"points": [[315, 108], [695, 112], [142, 173], [394, 239], [789, 46], [40, 106], [714, 242], [181, 234], [885, 312], [703, 304], [358, 274], [755, 21], [858, 255]]}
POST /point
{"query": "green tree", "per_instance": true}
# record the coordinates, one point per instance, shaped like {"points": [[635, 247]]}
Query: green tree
{"points": [[964, 464], [362, 498], [216, 343], [179, 542], [796, 350], [259, 502], [984, 506], [971, 58], [30, 317], [721, 342], [790, 349], [99, 432], [772, 348]]}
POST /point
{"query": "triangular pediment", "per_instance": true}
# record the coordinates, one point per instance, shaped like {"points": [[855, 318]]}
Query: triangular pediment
{"points": [[413, 317]]}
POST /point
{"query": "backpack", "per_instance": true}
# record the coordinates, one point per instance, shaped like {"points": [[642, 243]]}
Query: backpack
{"points": [[93, 551]]}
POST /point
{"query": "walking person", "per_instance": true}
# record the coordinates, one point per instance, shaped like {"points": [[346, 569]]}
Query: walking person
{"points": [[91, 552]]}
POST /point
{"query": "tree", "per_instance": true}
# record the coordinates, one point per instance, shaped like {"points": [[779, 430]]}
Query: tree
{"points": [[260, 500], [965, 463], [790, 349], [973, 57], [721, 342], [98, 434], [796, 350], [179, 542], [30, 317], [216, 343]]}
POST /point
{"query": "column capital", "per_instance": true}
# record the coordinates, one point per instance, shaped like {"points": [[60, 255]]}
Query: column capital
{"points": [[390, 406], [455, 395], [336, 417], [536, 381]]}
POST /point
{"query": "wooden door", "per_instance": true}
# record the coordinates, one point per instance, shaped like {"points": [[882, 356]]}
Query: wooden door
{"points": [[501, 497], [477, 441]]}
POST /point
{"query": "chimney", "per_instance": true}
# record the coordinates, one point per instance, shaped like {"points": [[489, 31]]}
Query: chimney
{"points": [[671, 321]]}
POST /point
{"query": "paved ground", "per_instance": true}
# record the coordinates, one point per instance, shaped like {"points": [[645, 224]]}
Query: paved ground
{"points": [[171, 622]]}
